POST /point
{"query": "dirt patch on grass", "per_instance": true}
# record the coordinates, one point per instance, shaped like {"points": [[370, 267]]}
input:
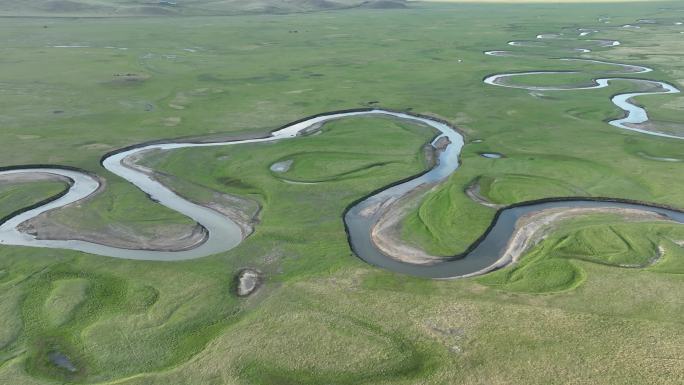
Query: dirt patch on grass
{"points": [[670, 128], [473, 192], [163, 238], [129, 78], [386, 234], [96, 146], [180, 101], [28, 137], [32, 177], [171, 121], [442, 143], [247, 281]]}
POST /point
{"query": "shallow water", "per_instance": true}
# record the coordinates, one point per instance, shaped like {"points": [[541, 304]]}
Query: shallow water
{"points": [[491, 155], [283, 166], [486, 256], [62, 361]]}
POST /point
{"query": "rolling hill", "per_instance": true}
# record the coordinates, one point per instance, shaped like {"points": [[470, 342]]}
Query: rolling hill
{"points": [[104, 8]]}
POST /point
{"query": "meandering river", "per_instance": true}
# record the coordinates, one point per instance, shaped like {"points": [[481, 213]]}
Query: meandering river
{"points": [[224, 234], [634, 114]]}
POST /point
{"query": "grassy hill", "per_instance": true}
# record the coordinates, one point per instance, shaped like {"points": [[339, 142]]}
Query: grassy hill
{"points": [[179, 7], [530, 1]]}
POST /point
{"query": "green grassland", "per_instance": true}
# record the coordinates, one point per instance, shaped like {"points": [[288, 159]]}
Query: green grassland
{"points": [[119, 204], [569, 312], [394, 147], [16, 196], [599, 239]]}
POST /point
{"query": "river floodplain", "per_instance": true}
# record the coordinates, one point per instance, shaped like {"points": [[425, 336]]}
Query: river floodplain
{"points": [[606, 284]]}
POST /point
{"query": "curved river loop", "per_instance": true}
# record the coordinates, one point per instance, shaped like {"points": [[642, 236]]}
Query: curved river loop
{"points": [[489, 252]]}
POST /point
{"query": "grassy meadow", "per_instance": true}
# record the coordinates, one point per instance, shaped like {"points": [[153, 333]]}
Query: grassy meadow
{"points": [[572, 311], [17, 195]]}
